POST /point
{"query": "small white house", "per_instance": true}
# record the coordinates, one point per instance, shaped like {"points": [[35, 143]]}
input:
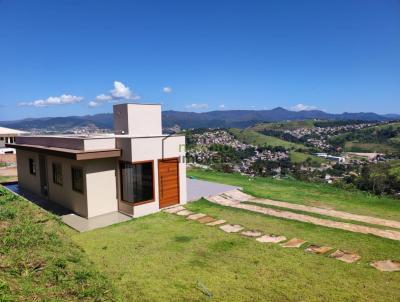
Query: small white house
{"points": [[136, 171], [7, 136]]}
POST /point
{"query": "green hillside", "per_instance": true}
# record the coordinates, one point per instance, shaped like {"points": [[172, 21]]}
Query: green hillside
{"points": [[290, 125], [39, 261], [381, 138], [258, 139]]}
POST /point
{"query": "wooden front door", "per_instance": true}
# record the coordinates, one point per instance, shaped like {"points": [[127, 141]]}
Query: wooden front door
{"points": [[168, 182]]}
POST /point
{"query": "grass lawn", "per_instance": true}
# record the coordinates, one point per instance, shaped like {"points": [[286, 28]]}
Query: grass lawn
{"points": [[38, 260], [258, 139], [163, 257], [308, 193]]}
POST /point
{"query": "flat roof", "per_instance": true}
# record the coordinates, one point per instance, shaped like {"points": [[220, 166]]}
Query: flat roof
{"points": [[9, 131], [69, 153]]}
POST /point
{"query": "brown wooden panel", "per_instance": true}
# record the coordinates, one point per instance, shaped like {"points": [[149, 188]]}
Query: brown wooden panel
{"points": [[168, 179]]}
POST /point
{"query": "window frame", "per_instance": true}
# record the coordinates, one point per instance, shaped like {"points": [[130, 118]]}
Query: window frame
{"points": [[121, 183], [73, 182], [32, 166], [54, 167]]}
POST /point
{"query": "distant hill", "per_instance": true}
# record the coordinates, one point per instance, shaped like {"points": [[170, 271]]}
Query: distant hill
{"points": [[382, 138], [212, 119]]}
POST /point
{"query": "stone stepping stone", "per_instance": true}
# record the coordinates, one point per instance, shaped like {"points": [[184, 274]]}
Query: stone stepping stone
{"points": [[231, 228], [271, 239], [184, 213], [251, 233], [216, 222], [293, 243], [386, 265], [206, 219], [317, 249], [345, 256], [174, 209], [196, 216]]}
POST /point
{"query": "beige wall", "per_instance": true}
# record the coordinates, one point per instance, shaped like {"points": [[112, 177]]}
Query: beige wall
{"points": [[137, 119], [101, 186], [75, 143], [150, 148], [27, 181], [63, 194], [99, 196]]}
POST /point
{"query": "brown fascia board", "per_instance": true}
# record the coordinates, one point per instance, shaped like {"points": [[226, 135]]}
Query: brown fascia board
{"points": [[68, 153]]}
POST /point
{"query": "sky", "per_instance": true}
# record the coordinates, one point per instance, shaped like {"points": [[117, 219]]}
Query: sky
{"points": [[60, 58]]}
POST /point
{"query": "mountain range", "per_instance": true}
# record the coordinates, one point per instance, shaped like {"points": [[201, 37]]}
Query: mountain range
{"points": [[211, 119]]}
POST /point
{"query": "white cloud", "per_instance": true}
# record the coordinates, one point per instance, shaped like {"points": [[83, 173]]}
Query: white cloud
{"points": [[103, 98], [167, 89], [54, 100], [120, 92], [197, 106], [222, 106], [302, 107], [93, 104]]}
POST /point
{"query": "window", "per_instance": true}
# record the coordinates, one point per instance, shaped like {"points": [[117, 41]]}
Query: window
{"points": [[77, 179], [137, 182], [32, 166], [57, 174]]}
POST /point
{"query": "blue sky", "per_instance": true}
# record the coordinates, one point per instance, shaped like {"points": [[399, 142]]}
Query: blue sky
{"points": [[58, 57]]}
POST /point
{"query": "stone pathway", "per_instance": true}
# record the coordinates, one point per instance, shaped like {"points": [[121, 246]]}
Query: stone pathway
{"points": [[344, 256], [293, 243], [240, 196], [236, 203], [316, 249], [184, 213], [196, 216], [386, 265], [217, 222], [251, 233], [271, 239], [231, 228]]}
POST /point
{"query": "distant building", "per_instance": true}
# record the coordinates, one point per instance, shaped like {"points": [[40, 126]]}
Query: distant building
{"points": [[339, 159], [7, 136]]}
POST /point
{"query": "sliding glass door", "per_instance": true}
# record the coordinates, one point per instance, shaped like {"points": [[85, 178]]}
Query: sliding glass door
{"points": [[137, 182]]}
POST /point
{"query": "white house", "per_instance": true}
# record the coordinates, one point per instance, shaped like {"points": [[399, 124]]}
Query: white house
{"points": [[7, 136], [136, 171]]}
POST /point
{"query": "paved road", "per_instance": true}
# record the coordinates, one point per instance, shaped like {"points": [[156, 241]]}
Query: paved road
{"points": [[197, 189]]}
